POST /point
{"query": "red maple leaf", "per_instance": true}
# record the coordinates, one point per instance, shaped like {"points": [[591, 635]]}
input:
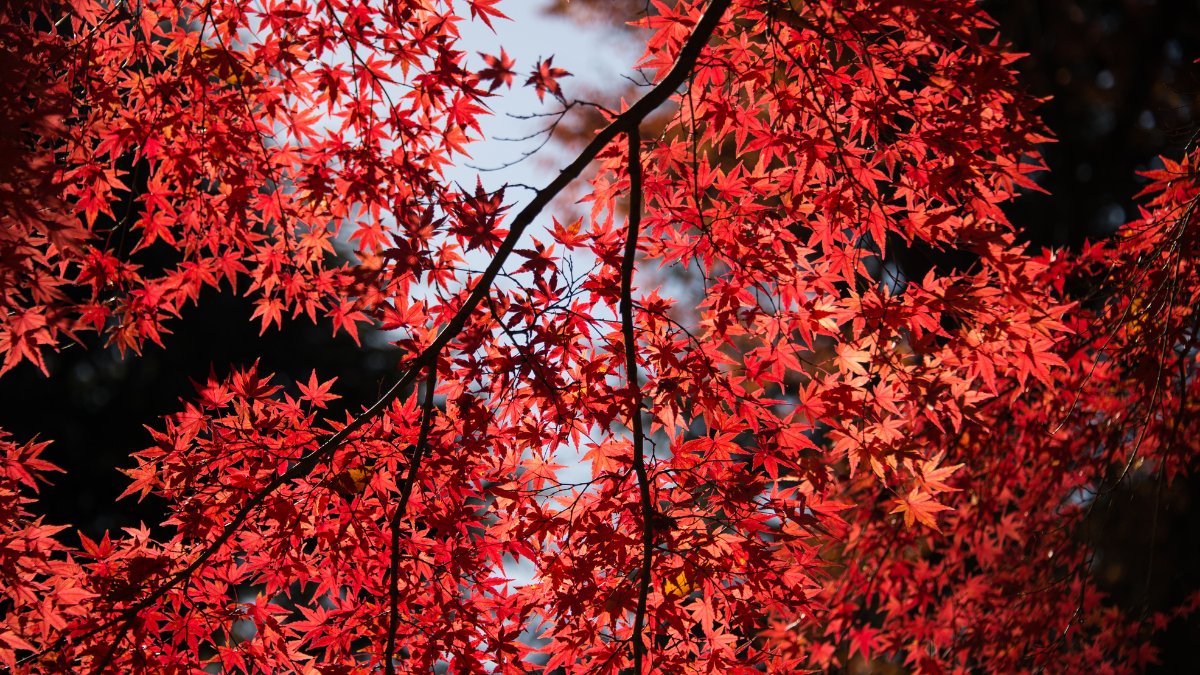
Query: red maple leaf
{"points": [[316, 391], [478, 217], [545, 79], [482, 8], [921, 507], [571, 235], [499, 70]]}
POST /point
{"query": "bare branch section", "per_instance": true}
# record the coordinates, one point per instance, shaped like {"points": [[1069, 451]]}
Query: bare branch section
{"points": [[624, 123], [398, 516], [635, 391]]}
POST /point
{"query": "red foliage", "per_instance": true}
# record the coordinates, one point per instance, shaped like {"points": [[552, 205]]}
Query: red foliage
{"points": [[838, 463]]}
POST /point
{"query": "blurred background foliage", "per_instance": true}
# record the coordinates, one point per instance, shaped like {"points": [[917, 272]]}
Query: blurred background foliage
{"points": [[1121, 88]]}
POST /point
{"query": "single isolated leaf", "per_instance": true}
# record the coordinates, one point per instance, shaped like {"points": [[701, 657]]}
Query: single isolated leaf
{"points": [[499, 70], [569, 235], [545, 79]]}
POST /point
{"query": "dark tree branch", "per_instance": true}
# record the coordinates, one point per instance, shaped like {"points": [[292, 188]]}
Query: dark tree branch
{"points": [[635, 390], [402, 507]]}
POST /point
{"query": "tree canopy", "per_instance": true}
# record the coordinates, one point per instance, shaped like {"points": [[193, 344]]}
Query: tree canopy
{"points": [[790, 395]]}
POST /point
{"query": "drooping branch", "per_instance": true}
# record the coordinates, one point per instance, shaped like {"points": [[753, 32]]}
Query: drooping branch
{"points": [[635, 391], [623, 123]]}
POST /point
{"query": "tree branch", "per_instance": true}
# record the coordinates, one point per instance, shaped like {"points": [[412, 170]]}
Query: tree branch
{"points": [[635, 390], [401, 508]]}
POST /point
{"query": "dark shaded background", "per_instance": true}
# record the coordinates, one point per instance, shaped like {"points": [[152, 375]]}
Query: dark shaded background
{"points": [[1122, 87], [94, 403], [1123, 90]]}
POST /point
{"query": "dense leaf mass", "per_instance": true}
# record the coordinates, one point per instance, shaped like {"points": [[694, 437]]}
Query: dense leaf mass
{"points": [[841, 461]]}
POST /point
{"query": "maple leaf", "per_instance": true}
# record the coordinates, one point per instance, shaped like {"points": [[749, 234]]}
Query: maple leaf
{"points": [[919, 506], [226, 65], [545, 79], [933, 478], [271, 310], [352, 481], [569, 236], [145, 479], [478, 217], [537, 261], [680, 584], [863, 639], [317, 392], [606, 457], [850, 360], [346, 317], [499, 70], [541, 470], [482, 8]]}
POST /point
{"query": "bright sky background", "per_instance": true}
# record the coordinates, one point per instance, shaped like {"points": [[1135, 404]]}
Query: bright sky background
{"points": [[595, 57]]}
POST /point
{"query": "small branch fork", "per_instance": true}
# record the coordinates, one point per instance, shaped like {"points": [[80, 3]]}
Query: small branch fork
{"points": [[627, 123], [635, 390]]}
